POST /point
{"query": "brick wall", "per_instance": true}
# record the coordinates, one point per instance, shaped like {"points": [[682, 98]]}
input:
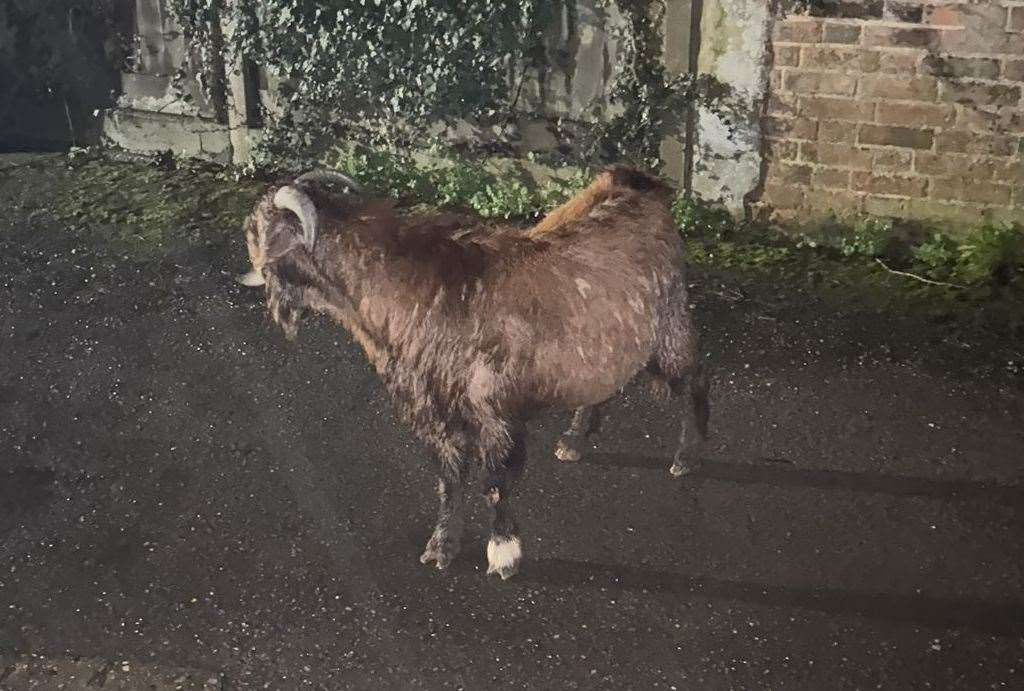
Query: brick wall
{"points": [[905, 108]]}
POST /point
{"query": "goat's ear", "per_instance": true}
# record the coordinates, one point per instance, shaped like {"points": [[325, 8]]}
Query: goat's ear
{"points": [[288, 281], [282, 238]]}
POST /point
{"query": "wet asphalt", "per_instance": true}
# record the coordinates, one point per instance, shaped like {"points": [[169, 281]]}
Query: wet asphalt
{"points": [[189, 501]]}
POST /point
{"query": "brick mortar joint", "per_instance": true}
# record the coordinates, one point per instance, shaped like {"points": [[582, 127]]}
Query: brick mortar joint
{"points": [[884, 23]]}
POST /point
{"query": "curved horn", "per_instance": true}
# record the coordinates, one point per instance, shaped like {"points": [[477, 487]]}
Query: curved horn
{"points": [[331, 175], [298, 203]]}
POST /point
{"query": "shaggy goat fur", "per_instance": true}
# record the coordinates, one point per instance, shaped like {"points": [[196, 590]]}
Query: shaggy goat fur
{"points": [[474, 330]]}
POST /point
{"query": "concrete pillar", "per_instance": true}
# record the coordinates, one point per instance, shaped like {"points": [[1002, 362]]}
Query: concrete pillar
{"points": [[734, 52], [677, 32], [240, 101]]}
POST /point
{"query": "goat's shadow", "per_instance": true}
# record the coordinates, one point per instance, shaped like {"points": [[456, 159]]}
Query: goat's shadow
{"points": [[996, 618], [777, 472]]}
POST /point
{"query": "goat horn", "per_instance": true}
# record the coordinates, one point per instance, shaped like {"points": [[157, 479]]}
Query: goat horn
{"points": [[296, 201], [332, 175]]}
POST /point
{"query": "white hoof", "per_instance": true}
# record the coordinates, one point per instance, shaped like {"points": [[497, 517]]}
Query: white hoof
{"points": [[503, 556], [564, 452]]}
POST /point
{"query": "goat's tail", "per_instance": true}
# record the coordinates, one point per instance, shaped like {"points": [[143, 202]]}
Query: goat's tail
{"points": [[604, 185]]}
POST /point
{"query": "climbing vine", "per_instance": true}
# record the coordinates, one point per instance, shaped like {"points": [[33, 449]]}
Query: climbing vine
{"points": [[645, 99], [396, 73]]}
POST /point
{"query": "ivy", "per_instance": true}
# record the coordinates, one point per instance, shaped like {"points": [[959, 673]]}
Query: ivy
{"points": [[377, 71], [397, 73], [645, 99]]}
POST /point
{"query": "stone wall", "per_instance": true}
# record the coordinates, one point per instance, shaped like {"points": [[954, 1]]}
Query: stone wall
{"points": [[905, 108], [583, 54]]}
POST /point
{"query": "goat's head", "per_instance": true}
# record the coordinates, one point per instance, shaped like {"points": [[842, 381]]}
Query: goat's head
{"points": [[280, 235]]}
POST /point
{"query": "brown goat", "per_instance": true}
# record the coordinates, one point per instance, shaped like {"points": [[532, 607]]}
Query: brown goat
{"points": [[473, 330]]}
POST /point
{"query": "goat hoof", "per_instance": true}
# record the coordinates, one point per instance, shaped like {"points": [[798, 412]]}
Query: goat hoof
{"points": [[680, 468], [565, 452], [503, 556], [441, 552]]}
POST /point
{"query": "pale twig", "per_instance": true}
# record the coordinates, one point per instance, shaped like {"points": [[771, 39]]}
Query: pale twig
{"points": [[919, 278]]}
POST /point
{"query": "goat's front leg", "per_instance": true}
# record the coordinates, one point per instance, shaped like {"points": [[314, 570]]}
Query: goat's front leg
{"points": [[569, 446], [504, 549], [444, 543]]}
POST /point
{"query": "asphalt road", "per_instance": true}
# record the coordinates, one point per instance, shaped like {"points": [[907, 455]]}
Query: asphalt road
{"points": [[188, 501]]}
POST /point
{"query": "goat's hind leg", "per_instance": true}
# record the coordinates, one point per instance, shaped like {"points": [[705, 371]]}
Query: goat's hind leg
{"points": [[444, 543], [504, 549], [569, 446], [692, 389]]}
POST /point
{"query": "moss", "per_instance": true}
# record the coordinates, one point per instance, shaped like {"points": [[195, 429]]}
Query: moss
{"points": [[142, 211]]}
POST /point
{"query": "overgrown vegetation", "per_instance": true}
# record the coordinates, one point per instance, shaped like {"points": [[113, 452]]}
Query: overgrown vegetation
{"points": [[869, 237], [697, 219], [989, 254], [453, 181], [397, 73], [142, 210]]}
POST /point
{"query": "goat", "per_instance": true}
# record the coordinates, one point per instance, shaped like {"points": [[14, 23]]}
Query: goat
{"points": [[474, 330]]}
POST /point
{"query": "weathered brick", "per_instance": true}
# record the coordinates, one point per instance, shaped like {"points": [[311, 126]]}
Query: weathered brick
{"points": [[980, 94], [894, 161], [914, 37], [907, 88], [949, 164], [782, 104], [904, 12], [884, 135], [916, 114], [1013, 70], [788, 174], [885, 206], [847, 9], [835, 202], [806, 82], [796, 30], [1011, 174], [943, 15], [808, 152], [848, 34], [783, 196], [782, 150], [983, 33], [843, 59], [831, 178], [791, 128], [838, 155], [951, 66], [836, 131], [787, 56], [945, 211], [999, 121], [889, 184], [1016, 22], [968, 190], [1012, 214], [973, 143], [899, 61], [836, 109]]}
